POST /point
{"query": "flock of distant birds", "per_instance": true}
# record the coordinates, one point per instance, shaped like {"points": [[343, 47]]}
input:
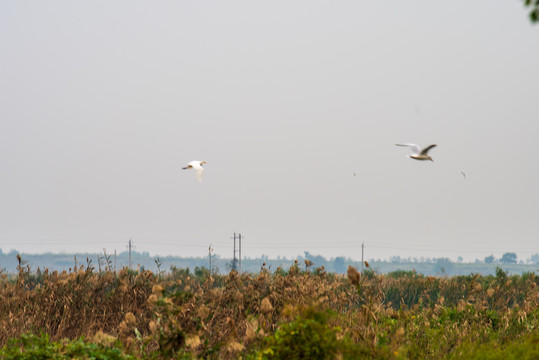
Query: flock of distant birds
{"points": [[417, 154]]}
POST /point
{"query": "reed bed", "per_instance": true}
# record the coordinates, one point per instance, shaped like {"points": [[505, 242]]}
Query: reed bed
{"points": [[401, 315]]}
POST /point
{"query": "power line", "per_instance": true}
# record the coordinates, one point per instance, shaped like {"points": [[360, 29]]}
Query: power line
{"points": [[298, 246], [172, 243]]}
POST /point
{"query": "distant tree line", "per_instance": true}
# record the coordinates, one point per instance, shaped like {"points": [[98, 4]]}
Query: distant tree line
{"points": [[307, 262], [507, 258]]}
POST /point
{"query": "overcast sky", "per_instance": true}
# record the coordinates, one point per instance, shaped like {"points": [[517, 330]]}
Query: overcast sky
{"points": [[104, 102]]}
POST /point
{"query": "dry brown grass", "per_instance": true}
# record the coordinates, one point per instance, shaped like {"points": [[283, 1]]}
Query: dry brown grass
{"points": [[234, 311]]}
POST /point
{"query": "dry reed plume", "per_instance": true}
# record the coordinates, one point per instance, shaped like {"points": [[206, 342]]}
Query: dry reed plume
{"points": [[231, 313]]}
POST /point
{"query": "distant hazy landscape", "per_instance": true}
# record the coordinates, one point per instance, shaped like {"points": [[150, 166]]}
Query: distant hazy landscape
{"points": [[221, 265]]}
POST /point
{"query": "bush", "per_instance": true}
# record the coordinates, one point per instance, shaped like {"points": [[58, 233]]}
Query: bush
{"points": [[31, 347], [397, 274], [308, 336], [524, 348]]}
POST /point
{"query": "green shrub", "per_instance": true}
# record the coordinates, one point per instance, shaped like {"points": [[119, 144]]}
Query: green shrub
{"points": [[397, 274], [308, 336], [524, 348], [34, 347]]}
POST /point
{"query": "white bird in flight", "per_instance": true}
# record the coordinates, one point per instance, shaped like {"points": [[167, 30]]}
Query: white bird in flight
{"points": [[417, 153], [197, 166]]}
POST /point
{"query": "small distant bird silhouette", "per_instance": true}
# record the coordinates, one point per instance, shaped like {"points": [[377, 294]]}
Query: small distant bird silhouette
{"points": [[463, 174], [197, 166], [417, 153]]}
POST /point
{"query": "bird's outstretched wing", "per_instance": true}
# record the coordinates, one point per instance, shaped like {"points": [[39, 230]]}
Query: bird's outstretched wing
{"points": [[414, 147], [426, 150]]}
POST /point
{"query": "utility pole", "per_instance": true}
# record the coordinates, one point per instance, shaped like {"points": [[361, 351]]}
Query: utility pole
{"points": [[209, 252], [234, 255], [240, 253], [362, 250], [235, 260], [130, 267]]}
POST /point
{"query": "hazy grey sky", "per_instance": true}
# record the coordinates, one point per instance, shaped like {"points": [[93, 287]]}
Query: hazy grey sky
{"points": [[103, 102]]}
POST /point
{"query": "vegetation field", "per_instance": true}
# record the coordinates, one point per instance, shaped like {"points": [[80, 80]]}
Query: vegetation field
{"points": [[298, 313]]}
